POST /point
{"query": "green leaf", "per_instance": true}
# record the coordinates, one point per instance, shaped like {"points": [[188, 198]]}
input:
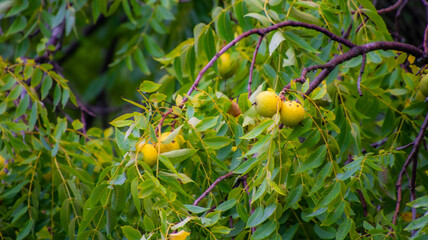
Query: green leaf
{"points": [[37, 77], [18, 25], [46, 86], [277, 38], [314, 160], [417, 223], [195, 209], [344, 228], [293, 197], [25, 230], [134, 194], [152, 47], [225, 27], [247, 166], [210, 219], [33, 117], [122, 143], [304, 16], [262, 19], [420, 202], [264, 230], [15, 93], [57, 94], [255, 217], [207, 123], [149, 86], [258, 130], [65, 214], [226, 205], [131, 233], [330, 196], [209, 44], [221, 230], [299, 42], [128, 11], [325, 232], [141, 62], [217, 142], [176, 156], [60, 128], [28, 72], [191, 62], [22, 106]]}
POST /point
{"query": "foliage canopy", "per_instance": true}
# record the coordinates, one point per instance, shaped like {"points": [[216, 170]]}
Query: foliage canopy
{"points": [[339, 174]]}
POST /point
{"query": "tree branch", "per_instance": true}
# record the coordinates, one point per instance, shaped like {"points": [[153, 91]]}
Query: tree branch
{"points": [[363, 64], [390, 8], [355, 50], [426, 39], [260, 32], [57, 35], [250, 79], [412, 187], [412, 157], [212, 187], [363, 49]]}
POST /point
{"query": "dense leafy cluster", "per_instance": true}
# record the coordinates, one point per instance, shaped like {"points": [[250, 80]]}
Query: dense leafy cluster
{"points": [[240, 176]]}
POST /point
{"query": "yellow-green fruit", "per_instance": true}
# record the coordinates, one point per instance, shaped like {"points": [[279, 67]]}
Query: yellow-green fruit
{"points": [[267, 103], [161, 147], [292, 113], [182, 235], [150, 154], [423, 85], [180, 140], [226, 66]]}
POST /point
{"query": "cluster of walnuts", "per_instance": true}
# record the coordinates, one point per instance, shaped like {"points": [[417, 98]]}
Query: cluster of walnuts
{"points": [[268, 103]]}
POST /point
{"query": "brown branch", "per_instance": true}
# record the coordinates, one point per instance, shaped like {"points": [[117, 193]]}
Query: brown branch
{"points": [[260, 32], [390, 8], [363, 64], [363, 49], [426, 39], [385, 10], [412, 157], [212, 187], [54, 40], [405, 146], [363, 202], [250, 79], [412, 187]]}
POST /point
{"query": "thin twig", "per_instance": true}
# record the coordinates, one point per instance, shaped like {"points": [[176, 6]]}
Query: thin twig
{"points": [[363, 65], [212, 187], [360, 194], [250, 79], [405, 146], [412, 187], [426, 39], [412, 157], [390, 8], [54, 40], [363, 202], [362, 49]]}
